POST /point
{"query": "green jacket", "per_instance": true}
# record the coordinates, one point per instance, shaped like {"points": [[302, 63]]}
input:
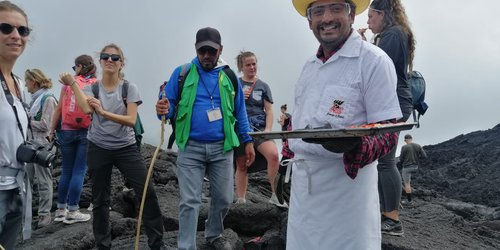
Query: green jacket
{"points": [[185, 107]]}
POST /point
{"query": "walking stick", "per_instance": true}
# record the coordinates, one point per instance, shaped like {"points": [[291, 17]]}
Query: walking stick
{"points": [[146, 184]]}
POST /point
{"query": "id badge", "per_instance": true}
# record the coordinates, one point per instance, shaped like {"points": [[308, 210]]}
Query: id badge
{"points": [[214, 114]]}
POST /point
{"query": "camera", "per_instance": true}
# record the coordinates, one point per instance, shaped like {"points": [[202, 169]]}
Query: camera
{"points": [[33, 152]]}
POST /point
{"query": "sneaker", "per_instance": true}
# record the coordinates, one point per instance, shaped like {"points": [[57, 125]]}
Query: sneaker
{"points": [[60, 214], [44, 220], [392, 227], [221, 244], [241, 201], [274, 200], [407, 204], [76, 216], [91, 206]]}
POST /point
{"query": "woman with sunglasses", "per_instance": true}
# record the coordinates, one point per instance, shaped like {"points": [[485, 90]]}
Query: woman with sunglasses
{"points": [[72, 138], [42, 107], [112, 143], [14, 191], [388, 21]]}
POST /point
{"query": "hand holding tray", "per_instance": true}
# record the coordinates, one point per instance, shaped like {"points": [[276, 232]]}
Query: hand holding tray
{"points": [[334, 133]]}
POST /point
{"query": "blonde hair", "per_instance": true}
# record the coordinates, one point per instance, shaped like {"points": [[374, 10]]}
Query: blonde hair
{"points": [[9, 6], [241, 56], [120, 52], [38, 77]]}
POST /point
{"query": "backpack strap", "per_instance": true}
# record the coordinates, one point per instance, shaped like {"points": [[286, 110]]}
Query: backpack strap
{"points": [[125, 92], [38, 115], [230, 73], [181, 79], [95, 89]]}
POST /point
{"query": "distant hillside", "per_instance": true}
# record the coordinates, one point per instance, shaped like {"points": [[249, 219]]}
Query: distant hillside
{"points": [[465, 168]]}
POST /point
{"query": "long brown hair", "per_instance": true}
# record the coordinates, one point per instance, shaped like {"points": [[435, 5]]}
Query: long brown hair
{"points": [[395, 14], [88, 66]]}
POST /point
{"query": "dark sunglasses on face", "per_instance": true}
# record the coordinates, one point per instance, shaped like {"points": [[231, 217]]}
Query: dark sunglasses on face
{"points": [[211, 51], [6, 29], [74, 67], [106, 56]]}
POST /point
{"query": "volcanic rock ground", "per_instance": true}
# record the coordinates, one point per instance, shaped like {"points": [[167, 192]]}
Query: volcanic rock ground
{"points": [[457, 205]]}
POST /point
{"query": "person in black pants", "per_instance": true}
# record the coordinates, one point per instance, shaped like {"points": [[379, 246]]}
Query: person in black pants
{"points": [[112, 143], [388, 20]]}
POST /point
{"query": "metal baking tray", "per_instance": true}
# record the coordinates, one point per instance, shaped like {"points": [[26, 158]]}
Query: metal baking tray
{"points": [[334, 133]]}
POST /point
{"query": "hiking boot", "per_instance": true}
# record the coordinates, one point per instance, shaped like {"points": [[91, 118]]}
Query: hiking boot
{"points": [[274, 200], [392, 227], [76, 216], [221, 244], [44, 220], [241, 201], [407, 204], [60, 214]]}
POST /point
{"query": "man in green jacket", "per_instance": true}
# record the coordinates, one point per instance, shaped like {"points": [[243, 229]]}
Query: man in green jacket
{"points": [[209, 112]]}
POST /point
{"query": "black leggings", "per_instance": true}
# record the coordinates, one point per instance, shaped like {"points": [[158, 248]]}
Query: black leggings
{"points": [[389, 182], [131, 164]]}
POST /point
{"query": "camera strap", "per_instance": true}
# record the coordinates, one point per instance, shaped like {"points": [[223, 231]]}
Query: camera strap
{"points": [[10, 99]]}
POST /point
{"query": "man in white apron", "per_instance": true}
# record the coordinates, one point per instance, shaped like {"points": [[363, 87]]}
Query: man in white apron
{"points": [[334, 201]]}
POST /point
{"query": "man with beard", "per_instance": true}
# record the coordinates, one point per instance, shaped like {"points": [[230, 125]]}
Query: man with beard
{"points": [[334, 202], [206, 113]]}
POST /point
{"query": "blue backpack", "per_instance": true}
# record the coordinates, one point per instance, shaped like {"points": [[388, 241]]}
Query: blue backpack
{"points": [[416, 83]]}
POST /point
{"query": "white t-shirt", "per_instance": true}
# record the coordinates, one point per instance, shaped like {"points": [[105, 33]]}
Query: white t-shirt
{"points": [[10, 135]]}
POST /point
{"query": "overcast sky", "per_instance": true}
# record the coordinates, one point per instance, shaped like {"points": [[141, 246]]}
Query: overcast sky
{"points": [[458, 49]]}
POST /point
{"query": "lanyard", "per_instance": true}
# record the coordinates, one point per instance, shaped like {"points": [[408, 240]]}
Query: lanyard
{"points": [[253, 85], [10, 99], [210, 94]]}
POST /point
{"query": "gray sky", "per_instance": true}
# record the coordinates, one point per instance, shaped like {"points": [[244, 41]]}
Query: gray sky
{"points": [[458, 49]]}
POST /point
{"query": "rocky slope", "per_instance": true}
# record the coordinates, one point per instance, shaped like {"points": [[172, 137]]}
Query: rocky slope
{"points": [[457, 205]]}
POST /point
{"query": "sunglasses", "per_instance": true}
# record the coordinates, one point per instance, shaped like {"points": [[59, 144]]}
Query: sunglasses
{"points": [[114, 57], [6, 29], [211, 51]]}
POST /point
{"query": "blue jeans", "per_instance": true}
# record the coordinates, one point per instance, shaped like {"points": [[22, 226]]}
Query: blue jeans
{"points": [[74, 156], [193, 162]]}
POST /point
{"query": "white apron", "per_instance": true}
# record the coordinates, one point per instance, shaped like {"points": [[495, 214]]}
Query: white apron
{"points": [[335, 212]]}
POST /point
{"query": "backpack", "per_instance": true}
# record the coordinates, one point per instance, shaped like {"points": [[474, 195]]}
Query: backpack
{"points": [[416, 83], [138, 127], [72, 115], [38, 116]]}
